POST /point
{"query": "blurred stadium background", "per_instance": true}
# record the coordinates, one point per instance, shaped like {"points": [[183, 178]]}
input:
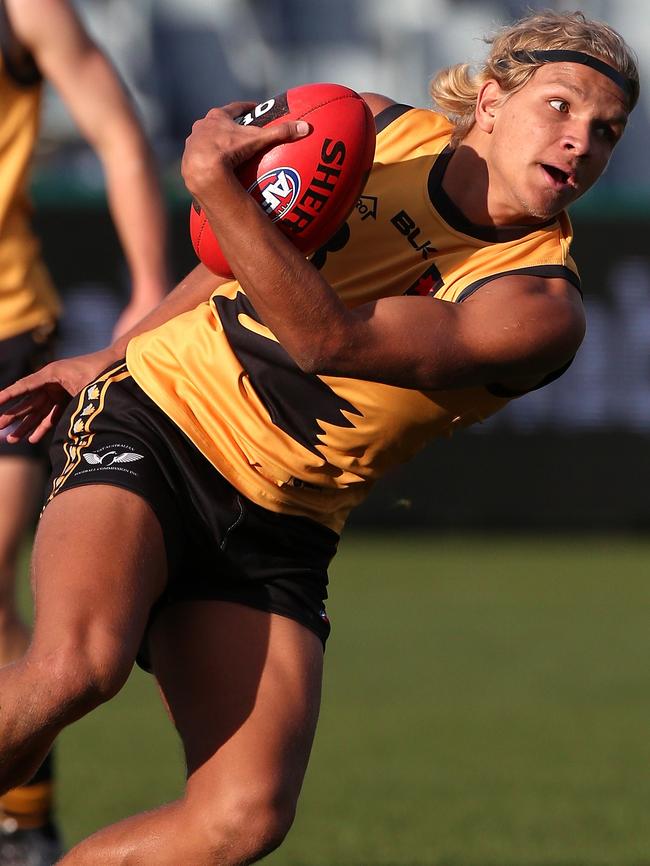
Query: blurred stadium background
{"points": [[486, 701]]}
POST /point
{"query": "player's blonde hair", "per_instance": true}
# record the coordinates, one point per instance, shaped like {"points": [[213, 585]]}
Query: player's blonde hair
{"points": [[455, 89]]}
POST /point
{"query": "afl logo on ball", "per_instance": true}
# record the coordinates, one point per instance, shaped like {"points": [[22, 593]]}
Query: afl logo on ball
{"points": [[277, 191]]}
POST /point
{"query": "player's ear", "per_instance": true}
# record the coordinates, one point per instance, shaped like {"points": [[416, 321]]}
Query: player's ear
{"points": [[489, 99]]}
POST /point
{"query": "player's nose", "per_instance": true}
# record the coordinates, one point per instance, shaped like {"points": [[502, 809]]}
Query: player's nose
{"points": [[578, 138]]}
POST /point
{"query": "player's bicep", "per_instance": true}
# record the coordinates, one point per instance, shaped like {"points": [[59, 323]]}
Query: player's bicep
{"points": [[51, 30], [92, 94], [71, 61], [524, 332], [414, 342], [505, 336]]}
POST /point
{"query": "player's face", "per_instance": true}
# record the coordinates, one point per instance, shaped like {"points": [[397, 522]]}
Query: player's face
{"points": [[553, 139]]}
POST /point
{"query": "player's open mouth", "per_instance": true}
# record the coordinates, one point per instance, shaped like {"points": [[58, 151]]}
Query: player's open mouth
{"points": [[558, 177]]}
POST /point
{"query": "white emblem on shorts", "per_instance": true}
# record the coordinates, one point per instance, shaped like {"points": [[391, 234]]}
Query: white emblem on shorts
{"points": [[111, 457]]}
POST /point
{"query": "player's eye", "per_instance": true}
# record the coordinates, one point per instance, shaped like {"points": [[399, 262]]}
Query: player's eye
{"points": [[559, 105], [607, 132]]}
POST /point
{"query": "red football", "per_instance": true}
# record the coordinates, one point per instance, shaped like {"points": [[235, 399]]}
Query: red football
{"points": [[308, 187]]}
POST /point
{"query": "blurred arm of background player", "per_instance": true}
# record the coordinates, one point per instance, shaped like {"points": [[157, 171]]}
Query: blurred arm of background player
{"points": [[45, 393], [92, 91]]}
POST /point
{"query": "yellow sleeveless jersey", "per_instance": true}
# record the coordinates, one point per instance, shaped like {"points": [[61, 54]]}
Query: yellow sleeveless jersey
{"points": [[313, 445], [27, 297]]}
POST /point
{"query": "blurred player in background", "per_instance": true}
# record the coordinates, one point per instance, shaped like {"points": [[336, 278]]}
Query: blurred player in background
{"points": [[44, 40], [249, 417]]}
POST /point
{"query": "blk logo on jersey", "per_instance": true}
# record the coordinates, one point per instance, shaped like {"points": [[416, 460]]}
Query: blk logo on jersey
{"points": [[407, 227], [277, 191]]}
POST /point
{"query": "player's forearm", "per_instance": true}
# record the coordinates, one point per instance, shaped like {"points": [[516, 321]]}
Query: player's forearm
{"points": [[289, 294], [108, 120], [102, 109], [138, 212]]}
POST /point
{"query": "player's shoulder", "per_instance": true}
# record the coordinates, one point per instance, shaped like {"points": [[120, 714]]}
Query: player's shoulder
{"points": [[22, 17], [419, 121], [377, 102], [35, 21]]}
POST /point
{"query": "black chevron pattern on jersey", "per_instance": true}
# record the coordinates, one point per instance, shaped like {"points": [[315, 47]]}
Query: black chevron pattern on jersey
{"points": [[295, 400]]}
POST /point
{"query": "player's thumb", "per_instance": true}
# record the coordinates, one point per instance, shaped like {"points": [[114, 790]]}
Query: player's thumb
{"points": [[291, 130], [302, 128]]}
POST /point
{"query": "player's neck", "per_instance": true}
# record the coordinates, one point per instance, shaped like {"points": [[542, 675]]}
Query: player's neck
{"points": [[466, 183], [473, 188]]}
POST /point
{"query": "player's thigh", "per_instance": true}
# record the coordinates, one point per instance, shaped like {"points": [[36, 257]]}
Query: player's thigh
{"points": [[98, 566], [21, 484], [22, 465], [243, 687]]}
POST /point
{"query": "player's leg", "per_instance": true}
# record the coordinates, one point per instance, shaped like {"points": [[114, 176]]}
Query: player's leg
{"points": [[28, 834], [27, 830], [243, 687], [98, 565], [22, 477], [21, 482]]}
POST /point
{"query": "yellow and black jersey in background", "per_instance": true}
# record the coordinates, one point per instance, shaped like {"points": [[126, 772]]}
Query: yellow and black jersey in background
{"points": [[312, 445], [27, 297]]}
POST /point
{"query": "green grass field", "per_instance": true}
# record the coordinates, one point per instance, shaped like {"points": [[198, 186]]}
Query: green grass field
{"points": [[487, 703]]}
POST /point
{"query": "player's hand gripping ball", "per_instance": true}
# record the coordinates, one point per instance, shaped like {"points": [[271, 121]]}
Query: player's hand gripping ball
{"points": [[307, 187]]}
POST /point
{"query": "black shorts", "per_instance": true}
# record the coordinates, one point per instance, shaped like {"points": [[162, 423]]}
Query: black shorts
{"points": [[20, 356], [219, 544]]}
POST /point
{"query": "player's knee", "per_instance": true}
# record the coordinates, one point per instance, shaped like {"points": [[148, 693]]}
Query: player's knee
{"points": [[262, 827], [87, 671], [248, 827]]}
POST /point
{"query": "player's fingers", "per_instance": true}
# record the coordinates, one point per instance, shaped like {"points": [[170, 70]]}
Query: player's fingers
{"points": [[287, 131], [238, 109], [24, 429], [256, 139], [233, 110], [50, 421], [13, 392], [26, 385], [28, 411], [13, 413], [10, 413]]}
